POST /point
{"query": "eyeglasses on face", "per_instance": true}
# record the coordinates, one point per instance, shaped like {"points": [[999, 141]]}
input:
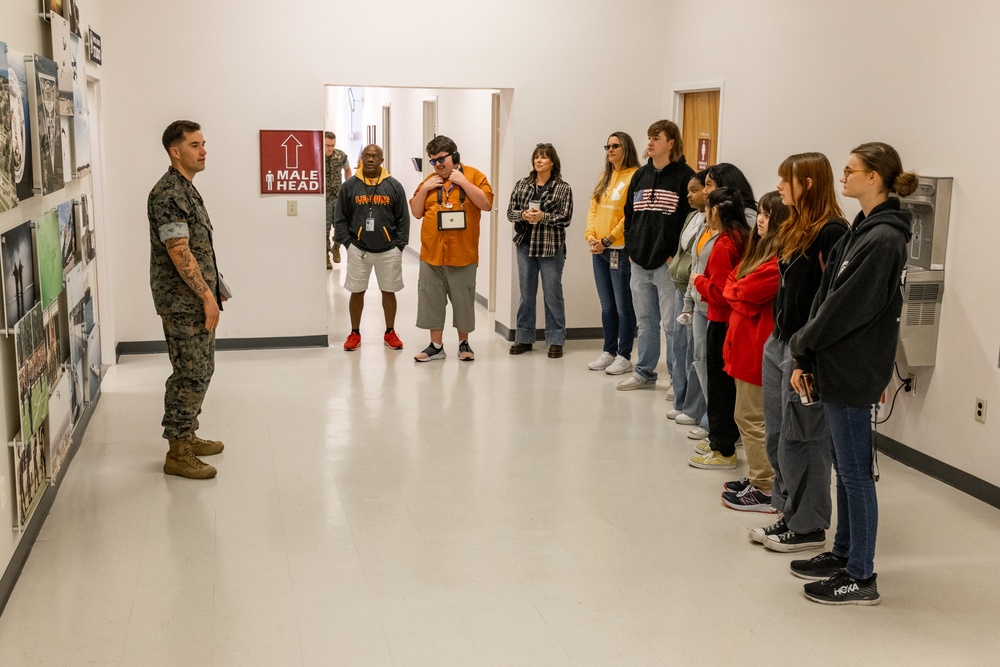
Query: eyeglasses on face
{"points": [[435, 161], [848, 171], [612, 147]]}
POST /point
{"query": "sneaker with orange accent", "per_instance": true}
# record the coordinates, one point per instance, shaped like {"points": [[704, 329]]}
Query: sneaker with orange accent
{"points": [[353, 342], [392, 341]]}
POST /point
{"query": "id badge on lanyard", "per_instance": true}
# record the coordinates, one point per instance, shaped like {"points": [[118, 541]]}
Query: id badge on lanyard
{"points": [[370, 223], [614, 260]]}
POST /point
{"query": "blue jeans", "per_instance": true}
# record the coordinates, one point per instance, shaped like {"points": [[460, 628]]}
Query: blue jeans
{"points": [[617, 313], [857, 506], [653, 297], [677, 355], [551, 270], [695, 404]]}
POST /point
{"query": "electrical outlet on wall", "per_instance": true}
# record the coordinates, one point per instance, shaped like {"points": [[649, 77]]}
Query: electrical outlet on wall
{"points": [[913, 383], [981, 410]]}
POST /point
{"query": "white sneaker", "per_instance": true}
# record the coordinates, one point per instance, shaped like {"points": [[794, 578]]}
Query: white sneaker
{"points": [[601, 362], [620, 366], [635, 383], [697, 434], [685, 420], [674, 414]]}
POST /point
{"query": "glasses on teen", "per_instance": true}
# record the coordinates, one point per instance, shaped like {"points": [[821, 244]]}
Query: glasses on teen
{"points": [[612, 147], [848, 171], [435, 161]]}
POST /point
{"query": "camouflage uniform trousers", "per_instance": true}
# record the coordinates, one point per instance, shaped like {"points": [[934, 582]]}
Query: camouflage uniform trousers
{"points": [[331, 213], [191, 349]]}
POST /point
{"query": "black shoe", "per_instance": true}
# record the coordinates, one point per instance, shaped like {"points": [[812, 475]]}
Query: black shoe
{"points": [[555, 351], [759, 535], [844, 589], [737, 485], [820, 567], [791, 541], [520, 348]]}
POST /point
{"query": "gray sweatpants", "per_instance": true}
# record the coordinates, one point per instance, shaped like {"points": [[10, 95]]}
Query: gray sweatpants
{"points": [[798, 446]]}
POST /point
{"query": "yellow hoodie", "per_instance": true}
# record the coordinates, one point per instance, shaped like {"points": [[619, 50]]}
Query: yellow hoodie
{"points": [[606, 217]]}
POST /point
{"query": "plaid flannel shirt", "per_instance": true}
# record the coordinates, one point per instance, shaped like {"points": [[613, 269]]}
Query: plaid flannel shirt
{"points": [[549, 235]]}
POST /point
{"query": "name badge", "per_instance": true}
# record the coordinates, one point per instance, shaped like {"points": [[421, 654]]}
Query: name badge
{"points": [[451, 220], [369, 224], [448, 204]]}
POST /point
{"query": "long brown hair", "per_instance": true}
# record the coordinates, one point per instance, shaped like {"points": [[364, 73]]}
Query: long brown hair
{"points": [[816, 205], [630, 159], [761, 249]]}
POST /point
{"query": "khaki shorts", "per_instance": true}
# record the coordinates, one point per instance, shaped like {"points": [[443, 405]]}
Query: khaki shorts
{"points": [[436, 286], [388, 267]]}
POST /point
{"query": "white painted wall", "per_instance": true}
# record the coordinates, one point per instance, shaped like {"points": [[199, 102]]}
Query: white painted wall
{"points": [[828, 76]]}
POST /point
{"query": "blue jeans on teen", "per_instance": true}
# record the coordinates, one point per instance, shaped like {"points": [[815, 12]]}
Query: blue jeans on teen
{"points": [[617, 312], [551, 270], [677, 344], [652, 296], [695, 405], [857, 506]]}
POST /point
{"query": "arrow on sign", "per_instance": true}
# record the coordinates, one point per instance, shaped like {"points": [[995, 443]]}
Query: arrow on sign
{"points": [[291, 146]]}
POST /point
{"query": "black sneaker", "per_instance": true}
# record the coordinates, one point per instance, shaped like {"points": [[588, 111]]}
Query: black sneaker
{"points": [[759, 535], [750, 499], [791, 541], [737, 485], [844, 589], [818, 568]]}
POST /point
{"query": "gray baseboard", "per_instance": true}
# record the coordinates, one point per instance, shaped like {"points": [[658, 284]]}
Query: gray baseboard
{"points": [[581, 333], [272, 343], [939, 470], [30, 534]]}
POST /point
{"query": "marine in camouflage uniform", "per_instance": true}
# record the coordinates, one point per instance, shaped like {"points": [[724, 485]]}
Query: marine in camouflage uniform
{"points": [[185, 283], [336, 164]]}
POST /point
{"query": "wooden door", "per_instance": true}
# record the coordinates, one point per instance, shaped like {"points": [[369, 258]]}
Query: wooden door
{"points": [[700, 129]]}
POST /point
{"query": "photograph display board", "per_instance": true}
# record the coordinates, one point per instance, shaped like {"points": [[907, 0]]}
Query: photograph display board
{"points": [[32, 378], [49, 257], [67, 235], [59, 429], [22, 162], [53, 350], [81, 119], [88, 249], [61, 56], [75, 289], [8, 191], [17, 262], [47, 127], [29, 475], [94, 366]]}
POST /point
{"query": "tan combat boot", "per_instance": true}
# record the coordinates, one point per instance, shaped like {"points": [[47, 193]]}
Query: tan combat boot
{"points": [[180, 461], [202, 447]]}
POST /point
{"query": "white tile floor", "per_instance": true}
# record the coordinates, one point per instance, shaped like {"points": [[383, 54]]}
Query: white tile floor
{"points": [[511, 511]]}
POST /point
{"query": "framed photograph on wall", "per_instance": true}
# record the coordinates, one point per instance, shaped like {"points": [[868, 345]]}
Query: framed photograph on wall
{"points": [[17, 262], [48, 257], [22, 161], [47, 138], [8, 191]]}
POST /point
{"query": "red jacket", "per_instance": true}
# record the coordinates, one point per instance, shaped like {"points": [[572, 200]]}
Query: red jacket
{"points": [[726, 254], [751, 321]]}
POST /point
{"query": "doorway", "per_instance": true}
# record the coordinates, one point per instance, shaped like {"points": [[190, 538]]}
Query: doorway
{"points": [[698, 111]]}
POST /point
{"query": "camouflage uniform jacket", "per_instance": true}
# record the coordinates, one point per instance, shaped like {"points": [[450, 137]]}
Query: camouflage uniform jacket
{"points": [[335, 172], [176, 210]]}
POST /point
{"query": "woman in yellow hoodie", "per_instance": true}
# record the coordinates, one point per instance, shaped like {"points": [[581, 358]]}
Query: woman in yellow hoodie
{"points": [[612, 269]]}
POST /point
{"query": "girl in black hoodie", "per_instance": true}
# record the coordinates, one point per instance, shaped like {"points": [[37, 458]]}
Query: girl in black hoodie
{"points": [[850, 343]]}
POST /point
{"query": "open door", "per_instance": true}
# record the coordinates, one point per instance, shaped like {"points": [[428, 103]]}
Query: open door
{"points": [[700, 128]]}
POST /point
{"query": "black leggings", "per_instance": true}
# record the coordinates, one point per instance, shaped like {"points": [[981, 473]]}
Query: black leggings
{"points": [[721, 393]]}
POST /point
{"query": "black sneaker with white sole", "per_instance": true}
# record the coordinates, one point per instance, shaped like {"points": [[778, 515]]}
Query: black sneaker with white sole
{"points": [[750, 499], [791, 541], [759, 535], [844, 589], [736, 485], [817, 568]]}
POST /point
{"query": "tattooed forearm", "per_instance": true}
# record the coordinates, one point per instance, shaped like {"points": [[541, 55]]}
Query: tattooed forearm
{"points": [[187, 265]]}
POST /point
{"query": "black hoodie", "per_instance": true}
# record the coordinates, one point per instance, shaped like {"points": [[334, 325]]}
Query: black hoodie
{"points": [[853, 327], [655, 211]]}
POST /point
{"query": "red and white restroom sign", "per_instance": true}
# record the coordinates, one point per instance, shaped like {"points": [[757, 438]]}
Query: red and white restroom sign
{"points": [[291, 162]]}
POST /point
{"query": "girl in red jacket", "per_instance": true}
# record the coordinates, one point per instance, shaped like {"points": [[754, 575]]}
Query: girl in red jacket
{"points": [[723, 213], [750, 290]]}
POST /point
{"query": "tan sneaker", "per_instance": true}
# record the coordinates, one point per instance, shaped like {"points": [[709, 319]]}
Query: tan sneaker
{"points": [[202, 447], [181, 462]]}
